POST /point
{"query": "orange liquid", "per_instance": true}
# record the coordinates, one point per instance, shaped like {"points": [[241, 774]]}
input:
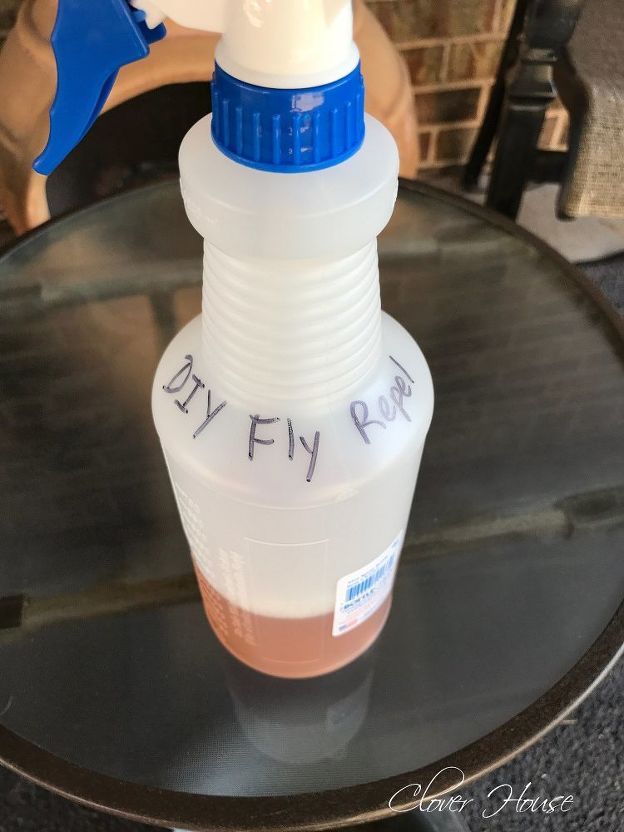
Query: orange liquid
{"points": [[293, 648]]}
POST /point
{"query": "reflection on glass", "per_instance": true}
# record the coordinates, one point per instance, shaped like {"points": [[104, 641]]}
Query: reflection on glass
{"points": [[301, 721]]}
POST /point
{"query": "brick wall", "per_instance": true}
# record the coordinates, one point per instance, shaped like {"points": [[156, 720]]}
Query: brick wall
{"points": [[452, 48]]}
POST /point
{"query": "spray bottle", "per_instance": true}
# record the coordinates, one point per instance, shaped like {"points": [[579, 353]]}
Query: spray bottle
{"points": [[292, 412]]}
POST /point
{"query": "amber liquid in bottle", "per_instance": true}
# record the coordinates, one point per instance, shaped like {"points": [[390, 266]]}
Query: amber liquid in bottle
{"points": [[292, 648]]}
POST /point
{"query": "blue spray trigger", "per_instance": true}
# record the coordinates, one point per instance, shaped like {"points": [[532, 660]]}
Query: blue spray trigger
{"points": [[91, 42]]}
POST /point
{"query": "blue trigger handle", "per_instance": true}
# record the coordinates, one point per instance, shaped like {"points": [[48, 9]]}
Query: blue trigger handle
{"points": [[91, 40]]}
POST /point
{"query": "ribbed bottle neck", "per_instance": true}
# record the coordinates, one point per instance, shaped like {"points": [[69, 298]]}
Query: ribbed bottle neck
{"points": [[290, 332]]}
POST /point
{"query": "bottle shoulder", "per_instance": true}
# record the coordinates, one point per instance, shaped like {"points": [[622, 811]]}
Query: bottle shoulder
{"points": [[322, 213]]}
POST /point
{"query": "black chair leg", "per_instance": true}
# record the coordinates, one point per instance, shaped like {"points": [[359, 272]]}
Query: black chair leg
{"points": [[489, 127], [548, 27], [520, 130]]}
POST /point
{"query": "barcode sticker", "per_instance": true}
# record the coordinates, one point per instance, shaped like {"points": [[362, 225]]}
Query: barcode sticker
{"points": [[361, 593]]}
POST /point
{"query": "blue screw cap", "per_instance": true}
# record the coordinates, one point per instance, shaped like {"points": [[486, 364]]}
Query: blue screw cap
{"points": [[91, 40], [288, 130]]}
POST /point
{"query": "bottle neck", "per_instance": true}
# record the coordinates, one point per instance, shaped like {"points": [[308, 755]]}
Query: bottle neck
{"points": [[291, 332]]}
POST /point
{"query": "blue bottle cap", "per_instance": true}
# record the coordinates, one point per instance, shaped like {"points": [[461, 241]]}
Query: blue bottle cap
{"points": [[288, 130]]}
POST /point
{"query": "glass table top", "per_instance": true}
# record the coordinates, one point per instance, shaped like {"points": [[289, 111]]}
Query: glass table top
{"points": [[512, 566]]}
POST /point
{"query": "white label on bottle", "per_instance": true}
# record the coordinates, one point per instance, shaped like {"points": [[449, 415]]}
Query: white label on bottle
{"points": [[361, 593]]}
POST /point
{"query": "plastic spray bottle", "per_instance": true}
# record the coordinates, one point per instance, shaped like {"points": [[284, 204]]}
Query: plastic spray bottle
{"points": [[292, 412]]}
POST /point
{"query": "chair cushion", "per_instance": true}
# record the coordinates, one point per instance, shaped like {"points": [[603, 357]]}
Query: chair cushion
{"points": [[591, 85]]}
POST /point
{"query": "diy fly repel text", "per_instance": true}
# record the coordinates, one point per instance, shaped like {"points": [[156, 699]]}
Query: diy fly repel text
{"points": [[180, 382], [388, 408]]}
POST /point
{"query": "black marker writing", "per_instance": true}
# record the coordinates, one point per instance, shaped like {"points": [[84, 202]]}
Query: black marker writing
{"points": [[399, 391], [387, 412], [291, 441], [185, 373], [253, 440], [362, 422], [313, 454], [402, 369], [199, 385], [188, 368], [209, 416]]}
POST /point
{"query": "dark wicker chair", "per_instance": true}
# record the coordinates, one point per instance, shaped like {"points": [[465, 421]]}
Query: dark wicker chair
{"points": [[574, 49]]}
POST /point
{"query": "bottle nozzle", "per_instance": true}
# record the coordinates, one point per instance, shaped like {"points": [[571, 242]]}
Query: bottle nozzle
{"points": [[277, 45], [205, 15], [91, 42]]}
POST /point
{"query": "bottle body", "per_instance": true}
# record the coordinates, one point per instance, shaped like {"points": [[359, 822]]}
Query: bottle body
{"points": [[278, 548], [292, 414]]}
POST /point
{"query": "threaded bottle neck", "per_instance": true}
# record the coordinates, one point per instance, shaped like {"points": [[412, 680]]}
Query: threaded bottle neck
{"points": [[290, 332]]}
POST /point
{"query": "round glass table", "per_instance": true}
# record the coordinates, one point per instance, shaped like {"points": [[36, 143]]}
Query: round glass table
{"points": [[113, 689]]}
